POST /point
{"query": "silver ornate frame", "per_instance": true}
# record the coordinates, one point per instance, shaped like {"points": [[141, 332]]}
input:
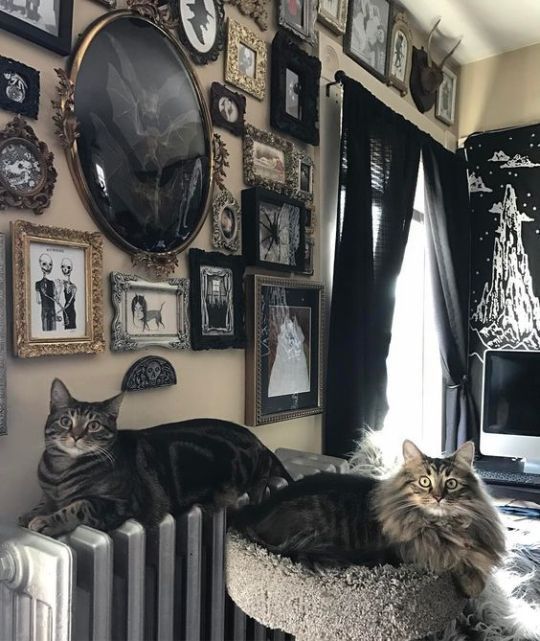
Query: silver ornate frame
{"points": [[307, 31], [3, 388], [305, 159], [122, 340], [337, 25], [221, 201]]}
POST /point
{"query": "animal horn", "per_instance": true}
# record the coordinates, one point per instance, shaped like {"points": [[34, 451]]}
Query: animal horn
{"points": [[429, 41], [441, 65]]}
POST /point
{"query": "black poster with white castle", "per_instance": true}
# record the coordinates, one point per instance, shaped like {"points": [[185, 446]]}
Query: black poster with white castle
{"points": [[504, 186]]}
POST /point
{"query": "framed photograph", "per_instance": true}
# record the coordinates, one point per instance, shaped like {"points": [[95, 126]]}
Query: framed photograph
{"points": [[305, 169], [27, 173], [3, 337], [201, 28], [446, 98], [227, 108], [19, 88], [216, 297], [400, 54], [309, 248], [44, 22], [57, 290], [226, 222], [366, 38], [273, 230], [268, 160], [333, 14], [284, 355], [149, 313], [298, 17], [245, 60], [294, 90]]}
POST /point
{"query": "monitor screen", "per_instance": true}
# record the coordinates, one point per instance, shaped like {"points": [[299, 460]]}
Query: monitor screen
{"points": [[511, 394]]}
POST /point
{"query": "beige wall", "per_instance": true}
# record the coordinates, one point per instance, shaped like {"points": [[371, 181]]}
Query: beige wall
{"points": [[501, 91], [209, 383]]}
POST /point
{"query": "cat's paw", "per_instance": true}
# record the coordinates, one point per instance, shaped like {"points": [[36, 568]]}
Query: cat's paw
{"points": [[25, 519], [41, 524], [471, 584]]}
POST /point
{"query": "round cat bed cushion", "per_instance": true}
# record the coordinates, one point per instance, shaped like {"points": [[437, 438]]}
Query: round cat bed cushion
{"points": [[352, 604]]}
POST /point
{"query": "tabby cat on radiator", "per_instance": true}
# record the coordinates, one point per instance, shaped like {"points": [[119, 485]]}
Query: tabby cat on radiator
{"points": [[433, 512], [93, 474]]}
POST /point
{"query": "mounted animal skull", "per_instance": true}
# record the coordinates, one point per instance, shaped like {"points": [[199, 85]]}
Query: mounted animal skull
{"points": [[426, 74]]}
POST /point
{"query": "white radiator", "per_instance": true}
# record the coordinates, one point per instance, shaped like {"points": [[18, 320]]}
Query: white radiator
{"points": [[135, 585]]}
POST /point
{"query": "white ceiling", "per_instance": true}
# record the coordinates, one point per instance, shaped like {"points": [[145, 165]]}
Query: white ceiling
{"points": [[488, 27]]}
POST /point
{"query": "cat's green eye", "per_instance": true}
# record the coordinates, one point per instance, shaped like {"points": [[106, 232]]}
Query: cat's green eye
{"points": [[424, 481], [94, 426], [65, 421], [451, 484]]}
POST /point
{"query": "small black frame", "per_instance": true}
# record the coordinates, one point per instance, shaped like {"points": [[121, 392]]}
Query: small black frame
{"points": [[17, 78], [219, 92], [60, 43], [253, 220], [231, 270], [201, 57], [287, 56]]}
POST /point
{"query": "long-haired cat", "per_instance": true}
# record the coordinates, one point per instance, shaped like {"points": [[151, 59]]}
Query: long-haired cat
{"points": [[434, 512], [93, 474]]}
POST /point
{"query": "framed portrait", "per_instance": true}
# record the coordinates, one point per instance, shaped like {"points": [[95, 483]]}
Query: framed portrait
{"points": [[305, 169], [333, 14], [216, 300], [273, 230], [226, 222], [298, 17], [3, 337], [294, 90], [268, 160], [400, 54], [284, 355], [227, 108], [201, 28], [19, 88], [27, 173], [149, 313], [44, 22], [366, 38], [57, 290], [245, 60], [309, 249], [445, 109]]}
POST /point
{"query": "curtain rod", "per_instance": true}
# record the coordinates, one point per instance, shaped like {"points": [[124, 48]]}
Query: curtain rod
{"points": [[339, 77]]}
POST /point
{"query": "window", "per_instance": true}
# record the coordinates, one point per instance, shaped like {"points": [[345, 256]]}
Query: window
{"points": [[414, 368]]}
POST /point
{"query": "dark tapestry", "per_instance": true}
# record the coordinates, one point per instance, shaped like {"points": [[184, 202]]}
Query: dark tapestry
{"points": [[504, 185]]}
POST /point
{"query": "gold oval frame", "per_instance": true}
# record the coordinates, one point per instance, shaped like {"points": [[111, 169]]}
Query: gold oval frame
{"points": [[161, 263]]}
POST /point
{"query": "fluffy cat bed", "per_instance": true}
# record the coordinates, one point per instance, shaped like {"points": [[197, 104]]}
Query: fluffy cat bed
{"points": [[356, 604]]}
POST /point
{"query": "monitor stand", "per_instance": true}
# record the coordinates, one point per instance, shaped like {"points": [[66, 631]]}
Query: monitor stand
{"points": [[531, 466]]}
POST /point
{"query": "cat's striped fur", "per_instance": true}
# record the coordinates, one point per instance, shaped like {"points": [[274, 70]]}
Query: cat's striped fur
{"points": [[433, 512], [93, 474]]}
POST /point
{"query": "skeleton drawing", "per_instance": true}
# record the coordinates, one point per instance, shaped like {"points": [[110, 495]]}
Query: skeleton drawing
{"points": [[16, 87], [46, 294]]}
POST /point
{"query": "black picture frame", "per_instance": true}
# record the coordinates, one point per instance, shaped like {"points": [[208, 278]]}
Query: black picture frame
{"points": [[262, 210], [291, 312], [191, 33], [361, 30], [220, 93], [202, 266], [297, 118], [19, 88], [59, 43]]}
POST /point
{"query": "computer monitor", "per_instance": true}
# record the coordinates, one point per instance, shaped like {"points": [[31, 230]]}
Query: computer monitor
{"points": [[511, 406]]}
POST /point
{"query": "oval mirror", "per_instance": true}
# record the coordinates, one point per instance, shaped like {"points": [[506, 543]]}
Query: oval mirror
{"points": [[142, 159]]}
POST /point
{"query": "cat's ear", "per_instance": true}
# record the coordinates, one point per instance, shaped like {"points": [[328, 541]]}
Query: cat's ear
{"points": [[410, 451], [60, 397], [465, 454], [112, 405]]}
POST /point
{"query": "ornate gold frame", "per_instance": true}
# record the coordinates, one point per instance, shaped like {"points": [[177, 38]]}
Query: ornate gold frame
{"points": [[253, 135], [239, 34], [339, 25], [256, 9], [23, 233], [253, 401], [400, 23], [163, 263], [39, 198]]}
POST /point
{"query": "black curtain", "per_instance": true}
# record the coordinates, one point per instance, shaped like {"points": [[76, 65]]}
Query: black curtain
{"points": [[380, 154], [448, 223]]}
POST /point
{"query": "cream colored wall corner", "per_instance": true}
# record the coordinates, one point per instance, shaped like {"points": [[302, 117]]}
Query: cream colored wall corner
{"points": [[499, 92], [210, 384]]}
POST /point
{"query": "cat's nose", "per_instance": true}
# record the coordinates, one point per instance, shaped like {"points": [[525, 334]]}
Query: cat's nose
{"points": [[437, 497]]}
